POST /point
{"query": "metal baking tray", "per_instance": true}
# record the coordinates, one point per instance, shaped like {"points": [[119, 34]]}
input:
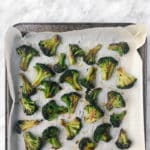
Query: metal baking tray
{"points": [[61, 27]]}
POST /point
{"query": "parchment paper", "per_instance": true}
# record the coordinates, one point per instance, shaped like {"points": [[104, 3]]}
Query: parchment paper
{"points": [[133, 123]]}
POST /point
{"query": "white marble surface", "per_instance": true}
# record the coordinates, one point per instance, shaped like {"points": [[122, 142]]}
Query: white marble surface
{"points": [[14, 11]]}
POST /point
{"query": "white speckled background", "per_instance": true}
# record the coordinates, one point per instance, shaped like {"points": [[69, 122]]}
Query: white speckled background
{"points": [[14, 11]]}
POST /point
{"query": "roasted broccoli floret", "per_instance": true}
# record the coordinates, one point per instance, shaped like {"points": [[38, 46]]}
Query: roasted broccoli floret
{"points": [[115, 100], [26, 54], [121, 48], [107, 66], [116, 118], [123, 142], [27, 88], [124, 79], [51, 110], [71, 77], [102, 133], [32, 142], [29, 106], [42, 72], [74, 52], [89, 80], [72, 127], [92, 113], [49, 46], [51, 135], [90, 56], [50, 88], [87, 144], [60, 66], [23, 125], [71, 100], [92, 95]]}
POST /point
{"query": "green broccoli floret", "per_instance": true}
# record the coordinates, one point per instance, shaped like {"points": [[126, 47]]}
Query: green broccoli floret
{"points": [[115, 100], [49, 46], [23, 125], [26, 54], [42, 72], [71, 77], [92, 113], [116, 118], [89, 80], [124, 79], [107, 66], [60, 66], [50, 88], [32, 142], [28, 105], [27, 88], [71, 100], [90, 56], [74, 52], [123, 142], [72, 127], [51, 135], [51, 110], [121, 48], [102, 133], [92, 95], [87, 144]]}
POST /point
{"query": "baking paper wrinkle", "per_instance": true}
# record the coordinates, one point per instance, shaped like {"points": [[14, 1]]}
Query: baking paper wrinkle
{"points": [[135, 35]]}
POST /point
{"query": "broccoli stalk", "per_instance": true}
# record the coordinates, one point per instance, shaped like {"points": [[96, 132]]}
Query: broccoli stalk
{"points": [[90, 57], [88, 81], [107, 66], [123, 142], [72, 127], [115, 100], [26, 54], [42, 72], [60, 66], [51, 135], [71, 99], [32, 142], [51, 110], [71, 77], [49, 46], [124, 79]]}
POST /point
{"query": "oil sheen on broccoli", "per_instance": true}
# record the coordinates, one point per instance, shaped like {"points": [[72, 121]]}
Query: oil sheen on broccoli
{"points": [[51, 136], [107, 66], [71, 100], [90, 56], [60, 66], [49, 46], [29, 106], [124, 79], [121, 48], [72, 127], [26, 54], [71, 77], [89, 80], [50, 88], [102, 133], [51, 110], [74, 52], [87, 144], [117, 118], [92, 113], [114, 100], [123, 142], [23, 125], [42, 72], [32, 142]]}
